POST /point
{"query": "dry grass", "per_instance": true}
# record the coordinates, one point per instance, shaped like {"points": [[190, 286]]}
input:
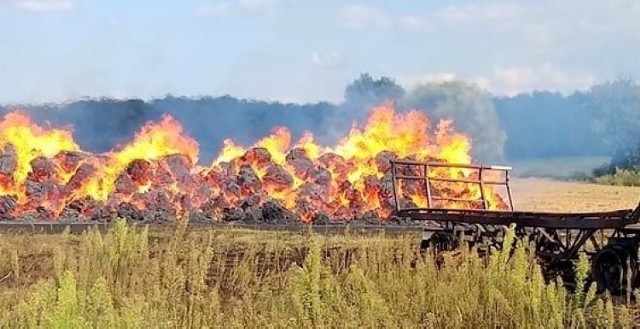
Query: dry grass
{"points": [[129, 278], [549, 195], [134, 277]]}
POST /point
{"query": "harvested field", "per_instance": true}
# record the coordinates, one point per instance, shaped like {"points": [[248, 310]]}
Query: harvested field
{"points": [[548, 195]]}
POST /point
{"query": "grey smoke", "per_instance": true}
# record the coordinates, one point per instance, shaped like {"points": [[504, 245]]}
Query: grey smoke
{"points": [[599, 122]]}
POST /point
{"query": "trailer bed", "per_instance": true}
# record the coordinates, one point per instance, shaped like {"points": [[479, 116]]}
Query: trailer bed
{"points": [[481, 212], [616, 219]]}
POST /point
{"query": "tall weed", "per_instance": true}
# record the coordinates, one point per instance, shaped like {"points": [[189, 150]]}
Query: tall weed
{"points": [[131, 277]]}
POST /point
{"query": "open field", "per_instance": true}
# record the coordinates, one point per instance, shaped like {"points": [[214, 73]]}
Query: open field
{"points": [[542, 195], [175, 278], [558, 167]]}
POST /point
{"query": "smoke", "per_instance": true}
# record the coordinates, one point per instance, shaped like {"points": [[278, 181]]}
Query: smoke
{"points": [[525, 126], [546, 124], [100, 125], [472, 112]]}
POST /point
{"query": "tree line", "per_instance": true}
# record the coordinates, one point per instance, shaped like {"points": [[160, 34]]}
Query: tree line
{"points": [[602, 121]]}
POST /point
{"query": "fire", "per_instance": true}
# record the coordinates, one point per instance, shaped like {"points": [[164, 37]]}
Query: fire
{"points": [[152, 142], [44, 171], [25, 141]]}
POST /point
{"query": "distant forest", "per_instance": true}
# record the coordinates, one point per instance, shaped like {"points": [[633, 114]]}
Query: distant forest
{"points": [[602, 121]]}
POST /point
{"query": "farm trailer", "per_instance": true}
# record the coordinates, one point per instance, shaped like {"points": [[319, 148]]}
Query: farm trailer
{"points": [[609, 238]]}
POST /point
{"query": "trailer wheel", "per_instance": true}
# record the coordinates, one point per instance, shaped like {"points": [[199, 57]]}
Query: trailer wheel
{"points": [[440, 241], [613, 268]]}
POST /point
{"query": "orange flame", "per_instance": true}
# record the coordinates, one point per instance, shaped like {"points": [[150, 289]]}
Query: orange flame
{"points": [[28, 141], [157, 167], [152, 142]]}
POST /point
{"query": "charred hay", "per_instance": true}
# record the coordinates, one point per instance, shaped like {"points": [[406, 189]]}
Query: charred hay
{"points": [[251, 189]]}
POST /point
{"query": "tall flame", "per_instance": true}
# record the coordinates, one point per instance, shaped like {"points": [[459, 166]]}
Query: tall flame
{"points": [[152, 142], [45, 168], [28, 141]]}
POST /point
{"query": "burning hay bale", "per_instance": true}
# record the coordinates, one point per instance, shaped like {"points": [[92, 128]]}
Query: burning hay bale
{"points": [[42, 169], [301, 163], [125, 184], [233, 214], [140, 171], [40, 193], [80, 177], [128, 211], [176, 168], [8, 162], [69, 161], [274, 213], [158, 206], [278, 178], [383, 161], [8, 205], [335, 164], [258, 156], [155, 178], [248, 180]]}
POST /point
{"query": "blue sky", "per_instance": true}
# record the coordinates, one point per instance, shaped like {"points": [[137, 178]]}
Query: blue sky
{"points": [[297, 50]]}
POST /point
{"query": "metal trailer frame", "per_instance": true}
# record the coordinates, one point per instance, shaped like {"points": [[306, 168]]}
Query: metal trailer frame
{"points": [[610, 238]]}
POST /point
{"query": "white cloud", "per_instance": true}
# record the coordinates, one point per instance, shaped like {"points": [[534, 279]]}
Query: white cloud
{"points": [[416, 80], [330, 60], [226, 8], [213, 9], [358, 16], [362, 17], [537, 22], [413, 23], [512, 80], [43, 5], [484, 13], [258, 4], [525, 45], [516, 79]]}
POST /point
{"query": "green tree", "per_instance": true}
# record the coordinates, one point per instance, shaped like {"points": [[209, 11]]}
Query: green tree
{"points": [[616, 105], [367, 91], [472, 111], [545, 124]]}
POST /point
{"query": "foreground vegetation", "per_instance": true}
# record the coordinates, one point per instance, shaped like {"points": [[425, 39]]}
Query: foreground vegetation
{"points": [[132, 277], [620, 177]]}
